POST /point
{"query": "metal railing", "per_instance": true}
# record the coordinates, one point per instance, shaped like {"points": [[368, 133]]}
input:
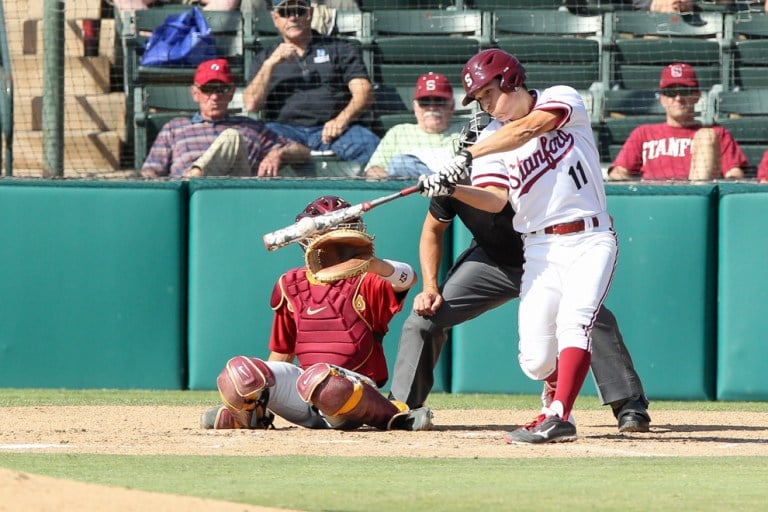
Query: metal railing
{"points": [[6, 97]]}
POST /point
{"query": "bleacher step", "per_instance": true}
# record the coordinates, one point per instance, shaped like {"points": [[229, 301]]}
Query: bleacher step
{"points": [[83, 151]]}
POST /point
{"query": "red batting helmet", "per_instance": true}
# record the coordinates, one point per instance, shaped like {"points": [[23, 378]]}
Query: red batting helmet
{"points": [[489, 65]]}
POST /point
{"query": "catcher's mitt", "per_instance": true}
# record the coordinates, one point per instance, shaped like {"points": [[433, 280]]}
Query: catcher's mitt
{"points": [[339, 254]]}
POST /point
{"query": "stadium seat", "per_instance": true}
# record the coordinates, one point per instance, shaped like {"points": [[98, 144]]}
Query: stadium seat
{"points": [[405, 47], [643, 43], [621, 112], [556, 47], [745, 115], [750, 50], [381, 5], [492, 5], [227, 30]]}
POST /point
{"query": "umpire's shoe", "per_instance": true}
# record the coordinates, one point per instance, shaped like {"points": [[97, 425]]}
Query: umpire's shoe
{"points": [[544, 429], [412, 419], [632, 415]]}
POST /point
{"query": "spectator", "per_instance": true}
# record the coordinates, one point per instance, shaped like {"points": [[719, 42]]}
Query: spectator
{"points": [[312, 88], [213, 143], [330, 328], [664, 5], [323, 11], [680, 148], [762, 170], [409, 150]]}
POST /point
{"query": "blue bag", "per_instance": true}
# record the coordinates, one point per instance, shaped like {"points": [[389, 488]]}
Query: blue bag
{"points": [[183, 39]]}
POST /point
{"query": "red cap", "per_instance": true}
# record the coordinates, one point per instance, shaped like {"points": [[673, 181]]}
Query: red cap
{"points": [[433, 85], [210, 70], [678, 75]]}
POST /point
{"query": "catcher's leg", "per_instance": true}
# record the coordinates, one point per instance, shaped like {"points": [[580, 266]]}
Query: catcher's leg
{"points": [[284, 399], [349, 400], [244, 388]]}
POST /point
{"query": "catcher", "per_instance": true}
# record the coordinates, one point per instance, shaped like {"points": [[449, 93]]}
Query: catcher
{"points": [[331, 315]]}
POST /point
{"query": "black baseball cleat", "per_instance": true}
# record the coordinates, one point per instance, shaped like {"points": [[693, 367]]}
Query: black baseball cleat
{"points": [[632, 421], [544, 429]]}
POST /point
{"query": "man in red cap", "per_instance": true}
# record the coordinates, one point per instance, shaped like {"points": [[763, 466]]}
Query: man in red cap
{"points": [[410, 150], [680, 148], [214, 143]]}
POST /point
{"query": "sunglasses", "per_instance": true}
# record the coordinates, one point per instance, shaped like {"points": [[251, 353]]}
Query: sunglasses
{"points": [[209, 89], [432, 102], [295, 11], [671, 93]]}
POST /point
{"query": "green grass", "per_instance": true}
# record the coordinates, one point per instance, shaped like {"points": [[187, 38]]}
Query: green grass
{"points": [[418, 484], [384, 484]]}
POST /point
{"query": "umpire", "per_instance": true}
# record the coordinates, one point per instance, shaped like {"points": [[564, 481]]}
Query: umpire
{"points": [[484, 277]]}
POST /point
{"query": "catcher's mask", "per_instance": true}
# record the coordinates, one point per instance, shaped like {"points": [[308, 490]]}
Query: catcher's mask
{"points": [[489, 65], [327, 204], [471, 130]]}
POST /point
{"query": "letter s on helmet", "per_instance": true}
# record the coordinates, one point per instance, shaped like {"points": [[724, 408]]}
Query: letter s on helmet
{"points": [[487, 65]]}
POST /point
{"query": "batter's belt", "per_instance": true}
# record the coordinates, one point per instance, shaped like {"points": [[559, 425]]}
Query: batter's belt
{"points": [[566, 228]]}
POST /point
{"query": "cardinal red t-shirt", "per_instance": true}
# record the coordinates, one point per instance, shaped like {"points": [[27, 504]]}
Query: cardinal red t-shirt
{"points": [[762, 171], [663, 152]]}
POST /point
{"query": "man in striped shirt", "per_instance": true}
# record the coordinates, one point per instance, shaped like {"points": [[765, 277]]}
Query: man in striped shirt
{"points": [[213, 143]]}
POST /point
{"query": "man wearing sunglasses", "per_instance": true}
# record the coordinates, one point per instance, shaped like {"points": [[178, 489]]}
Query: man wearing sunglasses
{"points": [[213, 143], [312, 88], [680, 148], [409, 150]]}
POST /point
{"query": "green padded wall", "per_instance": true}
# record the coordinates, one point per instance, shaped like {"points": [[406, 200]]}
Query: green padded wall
{"points": [[92, 285], [232, 274], [663, 296], [664, 292], [743, 288]]}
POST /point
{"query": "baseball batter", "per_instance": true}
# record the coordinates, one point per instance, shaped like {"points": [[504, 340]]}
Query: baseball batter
{"points": [[539, 154]]}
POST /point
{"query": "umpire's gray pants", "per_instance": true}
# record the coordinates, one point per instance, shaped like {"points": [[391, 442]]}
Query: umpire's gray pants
{"points": [[474, 285]]}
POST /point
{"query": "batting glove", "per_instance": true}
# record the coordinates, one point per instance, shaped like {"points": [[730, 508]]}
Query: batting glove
{"points": [[435, 186], [456, 171]]}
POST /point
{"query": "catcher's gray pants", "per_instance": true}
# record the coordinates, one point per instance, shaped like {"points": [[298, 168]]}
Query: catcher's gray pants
{"points": [[474, 285]]}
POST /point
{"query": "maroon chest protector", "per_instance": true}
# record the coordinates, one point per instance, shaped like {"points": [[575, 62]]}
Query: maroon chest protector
{"points": [[329, 324]]}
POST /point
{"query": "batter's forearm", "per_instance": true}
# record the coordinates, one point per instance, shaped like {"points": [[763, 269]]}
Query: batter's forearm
{"points": [[516, 133]]}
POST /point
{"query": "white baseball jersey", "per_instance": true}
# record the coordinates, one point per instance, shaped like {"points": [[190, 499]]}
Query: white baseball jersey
{"points": [[554, 178]]}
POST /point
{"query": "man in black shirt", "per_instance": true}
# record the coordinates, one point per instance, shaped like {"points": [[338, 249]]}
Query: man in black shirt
{"points": [[312, 88]]}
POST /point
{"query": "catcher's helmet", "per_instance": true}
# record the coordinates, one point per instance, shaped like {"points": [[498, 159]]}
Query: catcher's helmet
{"points": [[321, 205], [489, 65], [327, 204]]}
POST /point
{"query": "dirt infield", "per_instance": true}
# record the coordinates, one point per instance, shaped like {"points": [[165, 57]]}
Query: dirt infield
{"points": [[135, 430]]}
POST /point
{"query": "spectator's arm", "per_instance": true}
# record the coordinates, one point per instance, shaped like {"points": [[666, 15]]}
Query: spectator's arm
{"points": [[735, 173], [294, 153], [255, 93], [375, 172], [619, 173], [362, 98]]}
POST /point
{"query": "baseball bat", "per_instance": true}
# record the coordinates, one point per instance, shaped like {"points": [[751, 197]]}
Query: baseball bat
{"points": [[309, 226]]}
